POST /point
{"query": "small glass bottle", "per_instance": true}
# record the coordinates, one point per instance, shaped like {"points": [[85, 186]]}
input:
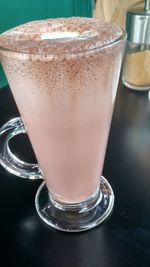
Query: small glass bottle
{"points": [[136, 67]]}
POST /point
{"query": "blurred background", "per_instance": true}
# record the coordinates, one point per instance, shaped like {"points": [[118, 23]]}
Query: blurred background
{"points": [[16, 12]]}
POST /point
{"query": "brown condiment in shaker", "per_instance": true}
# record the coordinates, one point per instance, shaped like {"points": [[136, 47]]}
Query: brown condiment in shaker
{"points": [[136, 68]]}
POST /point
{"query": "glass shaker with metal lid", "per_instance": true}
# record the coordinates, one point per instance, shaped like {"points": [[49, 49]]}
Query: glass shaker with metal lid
{"points": [[136, 68]]}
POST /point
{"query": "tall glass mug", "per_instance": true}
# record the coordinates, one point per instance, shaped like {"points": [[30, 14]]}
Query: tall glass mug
{"points": [[63, 74]]}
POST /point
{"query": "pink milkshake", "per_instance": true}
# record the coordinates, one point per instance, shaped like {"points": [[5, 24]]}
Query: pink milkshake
{"points": [[64, 82]]}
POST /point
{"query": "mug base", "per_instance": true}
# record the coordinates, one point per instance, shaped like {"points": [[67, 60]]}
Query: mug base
{"points": [[75, 217]]}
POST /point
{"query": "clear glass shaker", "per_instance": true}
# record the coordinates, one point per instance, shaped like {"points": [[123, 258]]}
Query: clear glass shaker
{"points": [[136, 67]]}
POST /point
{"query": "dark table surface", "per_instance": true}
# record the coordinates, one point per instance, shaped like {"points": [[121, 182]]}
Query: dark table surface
{"points": [[122, 241]]}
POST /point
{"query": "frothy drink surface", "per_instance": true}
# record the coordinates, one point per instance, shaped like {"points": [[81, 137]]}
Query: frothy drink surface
{"points": [[64, 83]]}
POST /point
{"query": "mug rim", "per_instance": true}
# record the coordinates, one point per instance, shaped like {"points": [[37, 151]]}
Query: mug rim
{"points": [[11, 53]]}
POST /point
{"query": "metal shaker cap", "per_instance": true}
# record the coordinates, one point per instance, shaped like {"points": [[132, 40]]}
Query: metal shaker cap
{"points": [[138, 25]]}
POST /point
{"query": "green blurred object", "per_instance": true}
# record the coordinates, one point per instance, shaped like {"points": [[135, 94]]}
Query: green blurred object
{"points": [[16, 12]]}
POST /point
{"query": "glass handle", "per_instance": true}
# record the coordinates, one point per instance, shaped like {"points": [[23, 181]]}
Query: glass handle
{"points": [[9, 161]]}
